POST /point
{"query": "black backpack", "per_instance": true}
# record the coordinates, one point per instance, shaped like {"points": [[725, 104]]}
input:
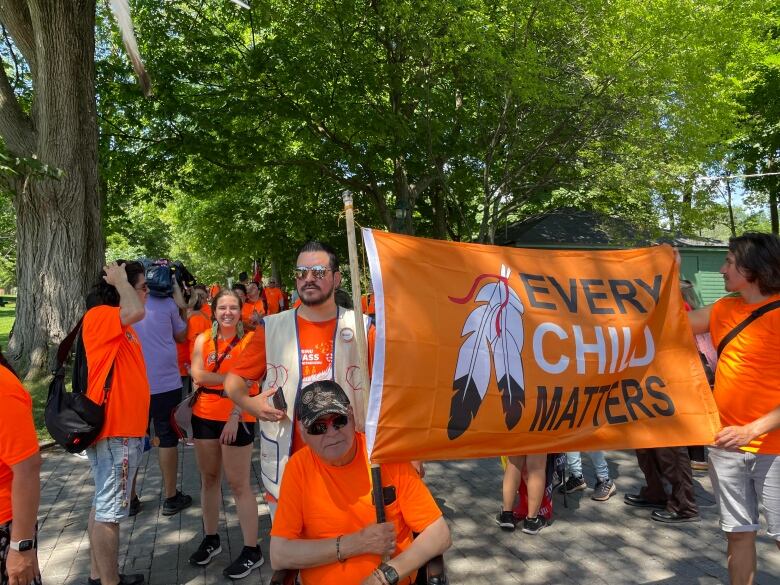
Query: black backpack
{"points": [[72, 419]]}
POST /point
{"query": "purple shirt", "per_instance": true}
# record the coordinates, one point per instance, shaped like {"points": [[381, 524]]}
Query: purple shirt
{"points": [[156, 331]]}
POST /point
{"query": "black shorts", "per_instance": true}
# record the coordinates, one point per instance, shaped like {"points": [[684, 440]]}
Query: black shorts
{"points": [[160, 411], [203, 428]]}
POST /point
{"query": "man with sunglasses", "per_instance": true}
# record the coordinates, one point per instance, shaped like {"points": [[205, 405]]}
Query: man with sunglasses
{"points": [[291, 349], [325, 523]]}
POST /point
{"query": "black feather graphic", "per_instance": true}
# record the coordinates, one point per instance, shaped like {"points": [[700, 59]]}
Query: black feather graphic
{"points": [[465, 404], [512, 399]]}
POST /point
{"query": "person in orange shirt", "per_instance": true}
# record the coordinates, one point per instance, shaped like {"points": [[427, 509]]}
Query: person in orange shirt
{"points": [[254, 307], [274, 297], [314, 342], [745, 458], [325, 523], [20, 483], [112, 349], [223, 438]]}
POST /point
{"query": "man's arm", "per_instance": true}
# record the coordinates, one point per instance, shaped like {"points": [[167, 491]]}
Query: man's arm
{"points": [[131, 307], [700, 319], [237, 389], [178, 297], [300, 553], [739, 436], [25, 497], [431, 542]]}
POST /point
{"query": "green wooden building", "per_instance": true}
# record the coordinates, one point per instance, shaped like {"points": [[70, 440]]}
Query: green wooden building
{"points": [[572, 229]]}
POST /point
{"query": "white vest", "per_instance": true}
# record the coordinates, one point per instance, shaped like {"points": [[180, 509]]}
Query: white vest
{"points": [[283, 363]]}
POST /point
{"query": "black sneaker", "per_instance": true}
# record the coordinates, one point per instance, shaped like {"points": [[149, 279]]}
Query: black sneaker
{"points": [[604, 490], [176, 504], [533, 525], [136, 579], [506, 520], [575, 483], [208, 549], [135, 506], [251, 558]]}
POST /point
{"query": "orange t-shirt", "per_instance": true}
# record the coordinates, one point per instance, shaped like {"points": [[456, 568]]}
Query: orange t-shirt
{"points": [[197, 324], [298, 302], [274, 297], [183, 357], [106, 340], [248, 308], [18, 440], [318, 500], [747, 381], [206, 310], [368, 305], [214, 406]]}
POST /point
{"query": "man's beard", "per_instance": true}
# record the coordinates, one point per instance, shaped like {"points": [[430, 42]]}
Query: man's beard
{"points": [[315, 302]]}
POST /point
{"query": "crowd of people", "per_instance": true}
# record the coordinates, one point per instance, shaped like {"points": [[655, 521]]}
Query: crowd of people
{"points": [[250, 369]]}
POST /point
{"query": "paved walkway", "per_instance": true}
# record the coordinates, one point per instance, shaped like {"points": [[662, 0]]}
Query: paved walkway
{"points": [[588, 543]]}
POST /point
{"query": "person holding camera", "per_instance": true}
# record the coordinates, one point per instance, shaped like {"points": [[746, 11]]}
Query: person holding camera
{"points": [[159, 331], [223, 437]]}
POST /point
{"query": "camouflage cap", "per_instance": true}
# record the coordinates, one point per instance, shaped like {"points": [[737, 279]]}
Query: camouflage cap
{"points": [[321, 398]]}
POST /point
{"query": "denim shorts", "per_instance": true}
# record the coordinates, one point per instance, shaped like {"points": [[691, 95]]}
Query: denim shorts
{"points": [[114, 464], [742, 482]]}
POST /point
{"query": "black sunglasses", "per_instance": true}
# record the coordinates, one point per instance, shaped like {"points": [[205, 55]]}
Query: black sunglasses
{"points": [[320, 427]]}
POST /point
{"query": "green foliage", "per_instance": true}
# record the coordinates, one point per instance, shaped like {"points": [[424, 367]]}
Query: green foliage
{"points": [[447, 119]]}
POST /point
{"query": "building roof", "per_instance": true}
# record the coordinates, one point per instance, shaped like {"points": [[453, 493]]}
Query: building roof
{"points": [[578, 228]]}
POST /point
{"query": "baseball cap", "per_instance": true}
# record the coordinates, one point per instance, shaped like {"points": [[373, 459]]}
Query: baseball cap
{"points": [[321, 398]]}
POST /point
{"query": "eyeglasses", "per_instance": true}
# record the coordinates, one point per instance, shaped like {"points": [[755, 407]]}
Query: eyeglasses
{"points": [[318, 271], [144, 287], [320, 426]]}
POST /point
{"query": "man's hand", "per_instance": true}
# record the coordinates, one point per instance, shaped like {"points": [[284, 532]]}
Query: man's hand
{"points": [[378, 539], [734, 437], [115, 274], [261, 407], [22, 567]]}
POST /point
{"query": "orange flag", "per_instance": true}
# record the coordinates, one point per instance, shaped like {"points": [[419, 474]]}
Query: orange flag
{"points": [[484, 350]]}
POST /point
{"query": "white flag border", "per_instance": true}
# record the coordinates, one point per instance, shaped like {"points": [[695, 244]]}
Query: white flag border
{"points": [[378, 369]]}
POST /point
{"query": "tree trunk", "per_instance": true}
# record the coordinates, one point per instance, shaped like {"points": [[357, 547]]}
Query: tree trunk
{"points": [[59, 237], [729, 203], [773, 211]]}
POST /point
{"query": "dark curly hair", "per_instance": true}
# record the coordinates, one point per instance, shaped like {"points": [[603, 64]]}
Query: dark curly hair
{"points": [[103, 293], [757, 257]]}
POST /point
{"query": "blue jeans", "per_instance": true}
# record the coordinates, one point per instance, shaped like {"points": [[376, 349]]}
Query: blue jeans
{"points": [[574, 464]]}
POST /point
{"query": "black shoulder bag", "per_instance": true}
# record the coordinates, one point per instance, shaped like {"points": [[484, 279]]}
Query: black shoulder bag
{"points": [[72, 419], [763, 309]]}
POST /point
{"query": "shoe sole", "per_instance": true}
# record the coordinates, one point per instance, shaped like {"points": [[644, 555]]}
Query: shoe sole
{"points": [[257, 565], [212, 554], [676, 520], [176, 511], [611, 493], [638, 505], [579, 488], [532, 532], [506, 526]]}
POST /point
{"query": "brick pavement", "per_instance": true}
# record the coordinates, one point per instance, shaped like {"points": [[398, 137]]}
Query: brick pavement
{"points": [[588, 543]]}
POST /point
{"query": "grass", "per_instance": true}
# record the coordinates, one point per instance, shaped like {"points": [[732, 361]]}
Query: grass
{"points": [[38, 389]]}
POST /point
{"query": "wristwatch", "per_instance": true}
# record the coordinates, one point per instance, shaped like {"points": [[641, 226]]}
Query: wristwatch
{"points": [[22, 545], [390, 573]]}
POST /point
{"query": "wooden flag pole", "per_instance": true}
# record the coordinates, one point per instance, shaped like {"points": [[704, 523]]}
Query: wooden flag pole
{"points": [[361, 396]]}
